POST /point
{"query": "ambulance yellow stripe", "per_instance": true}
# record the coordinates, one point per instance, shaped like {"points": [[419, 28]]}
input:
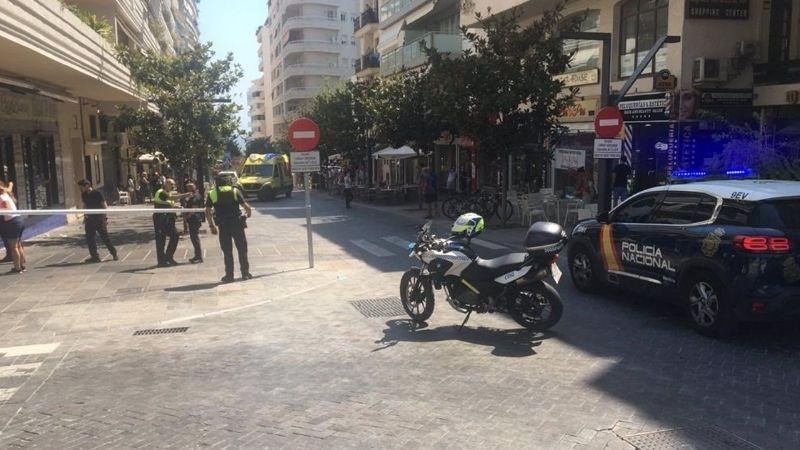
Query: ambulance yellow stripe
{"points": [[610, 258]]}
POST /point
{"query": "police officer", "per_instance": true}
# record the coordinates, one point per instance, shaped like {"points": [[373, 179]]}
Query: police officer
{"points": [[164, 224], [193, 221], [225, 201]]}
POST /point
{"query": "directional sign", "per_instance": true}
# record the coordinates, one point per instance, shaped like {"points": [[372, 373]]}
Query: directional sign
{"points": [[305, 162], [608, 122], [303, 134], [608, 148]]}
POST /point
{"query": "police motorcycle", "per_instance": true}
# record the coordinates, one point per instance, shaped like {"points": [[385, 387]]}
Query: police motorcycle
{"points": [[513, 284]]}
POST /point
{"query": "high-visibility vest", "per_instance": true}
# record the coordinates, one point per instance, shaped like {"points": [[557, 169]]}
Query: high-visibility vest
{"points": [[214, 193], [158, 203]]}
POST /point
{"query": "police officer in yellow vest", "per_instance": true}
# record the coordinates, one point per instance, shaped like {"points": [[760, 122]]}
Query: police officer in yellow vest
{"points": [[225, 201], [164, 224]]}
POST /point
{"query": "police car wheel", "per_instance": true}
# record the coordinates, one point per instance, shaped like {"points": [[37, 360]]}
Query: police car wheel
{"points": [[582, 269], [709, 312]]}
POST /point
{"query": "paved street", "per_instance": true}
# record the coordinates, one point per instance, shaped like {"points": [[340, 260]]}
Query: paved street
{"points": [[286, 360]]}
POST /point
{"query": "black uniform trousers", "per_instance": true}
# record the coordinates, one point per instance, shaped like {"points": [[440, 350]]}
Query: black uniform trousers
{"points": [[96, 225], [230, 234], [164, 226], [194, 236]]}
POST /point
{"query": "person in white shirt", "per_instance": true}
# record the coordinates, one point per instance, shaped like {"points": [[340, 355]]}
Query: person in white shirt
{"points": [[11, 228], [451, 180], [348, 189]]}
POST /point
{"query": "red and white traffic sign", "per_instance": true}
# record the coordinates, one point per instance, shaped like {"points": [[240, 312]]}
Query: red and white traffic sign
{"points": [[303, 134], [608, 122]]}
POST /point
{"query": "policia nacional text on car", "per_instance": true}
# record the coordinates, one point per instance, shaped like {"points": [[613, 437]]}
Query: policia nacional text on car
{"points": [[225, 200], [164, 224]]}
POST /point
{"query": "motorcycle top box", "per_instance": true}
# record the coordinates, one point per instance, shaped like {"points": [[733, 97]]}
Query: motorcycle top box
{"points": [[545, 238]]}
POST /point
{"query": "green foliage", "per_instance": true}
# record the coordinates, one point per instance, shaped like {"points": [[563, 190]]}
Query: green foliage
{"points": [[233, 147], [773, 157], [95, 22], [342, 117], [190, 120], [501, 91], [257, 146]]}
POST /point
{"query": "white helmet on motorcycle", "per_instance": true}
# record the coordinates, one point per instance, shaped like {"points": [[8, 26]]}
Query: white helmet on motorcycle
{"points": [[468, 225]]}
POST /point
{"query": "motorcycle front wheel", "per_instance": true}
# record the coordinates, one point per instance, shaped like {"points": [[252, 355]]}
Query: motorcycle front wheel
{"points": [[416, 295], [537, 307]]}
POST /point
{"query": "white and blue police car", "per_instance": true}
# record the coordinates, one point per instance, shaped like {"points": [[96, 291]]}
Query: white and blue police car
{"points": [[726, 251]]}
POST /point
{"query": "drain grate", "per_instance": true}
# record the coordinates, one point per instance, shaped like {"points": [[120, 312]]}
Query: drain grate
{"points": [[711, 438], [379, 307], [161, 331]]}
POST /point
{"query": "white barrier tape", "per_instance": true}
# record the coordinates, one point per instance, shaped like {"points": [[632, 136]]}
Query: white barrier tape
{"points": [[122, 211]]}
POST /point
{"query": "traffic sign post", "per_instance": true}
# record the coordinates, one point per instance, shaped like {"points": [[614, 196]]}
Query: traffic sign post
{"points": [[608, 148], [303, 136], [608, 122]]}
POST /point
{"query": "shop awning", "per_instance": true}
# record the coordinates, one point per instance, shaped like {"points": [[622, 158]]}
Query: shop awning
{"points": [[403, 152], [149, 158]]}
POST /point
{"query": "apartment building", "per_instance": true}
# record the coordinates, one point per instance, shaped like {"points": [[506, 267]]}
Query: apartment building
{"points": [[310, 44], [735, 58], [60, 85], [257, 109]]}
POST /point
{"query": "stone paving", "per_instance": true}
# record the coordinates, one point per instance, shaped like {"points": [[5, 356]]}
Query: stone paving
{"points": [[285, 360]]}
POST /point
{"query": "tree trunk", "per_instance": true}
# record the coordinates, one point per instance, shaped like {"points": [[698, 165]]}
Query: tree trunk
{"points": [[504, 185]]}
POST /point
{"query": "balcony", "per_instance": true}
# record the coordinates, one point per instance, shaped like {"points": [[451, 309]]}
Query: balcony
{"points": [[42, 40], [331, 70], [776, 73], [412, 54], [368, 65], [300, 93], [394, 10], [324, 22], [368, 21], [301, 46]]}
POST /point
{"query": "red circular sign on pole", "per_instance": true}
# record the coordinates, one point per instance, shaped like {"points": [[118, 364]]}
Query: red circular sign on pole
{"points": [[303, 134], [608, 122]]}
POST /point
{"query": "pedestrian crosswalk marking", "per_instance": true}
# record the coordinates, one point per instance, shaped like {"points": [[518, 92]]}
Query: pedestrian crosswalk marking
{"points": [[398, 241], [489, 245], [19, 370], [371, 248], [22, 350], [6, 394]]}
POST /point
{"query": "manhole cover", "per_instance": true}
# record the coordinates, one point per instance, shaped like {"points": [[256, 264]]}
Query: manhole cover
{"points": [[160, 331], [711, 438], [379, 307]]}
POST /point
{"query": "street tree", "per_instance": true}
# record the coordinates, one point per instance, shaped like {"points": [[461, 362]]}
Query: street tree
{"points": [[191, 122], [502, 91], [259, 145], [341, 115]]}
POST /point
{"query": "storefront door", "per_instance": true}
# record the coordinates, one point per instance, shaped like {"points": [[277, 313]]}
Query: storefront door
{"points": [[39, 158]]}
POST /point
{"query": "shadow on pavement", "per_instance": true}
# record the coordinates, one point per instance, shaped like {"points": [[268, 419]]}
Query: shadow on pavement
{"points": [[206, 286], [508, 343]]}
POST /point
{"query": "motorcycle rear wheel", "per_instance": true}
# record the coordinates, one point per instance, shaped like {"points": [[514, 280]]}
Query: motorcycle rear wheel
{"points": [[537, 308], [416, 294]]}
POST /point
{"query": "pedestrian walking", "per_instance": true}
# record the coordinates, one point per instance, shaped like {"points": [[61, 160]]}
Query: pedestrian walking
{"points": [[11, 228], [193, 221], [95, 224], [8, 258], [144, 187], [131, 188], [622, 173], [225, 200], [164, 224], [421, 183], [430, 192], [348, 189], [451, 180]]}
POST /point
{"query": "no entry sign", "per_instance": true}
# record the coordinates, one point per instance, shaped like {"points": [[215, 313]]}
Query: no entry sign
{"points": [[303, 134], [608, 122]]}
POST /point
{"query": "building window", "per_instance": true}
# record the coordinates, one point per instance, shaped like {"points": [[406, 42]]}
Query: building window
{"points": [[642, 22], [331, 14], [585, 54], [352, 41], [343, 17], [93, 127], [344, 40]]}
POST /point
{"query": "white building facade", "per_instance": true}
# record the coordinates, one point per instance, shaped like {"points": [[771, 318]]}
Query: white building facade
{"points": [[306, 46]]}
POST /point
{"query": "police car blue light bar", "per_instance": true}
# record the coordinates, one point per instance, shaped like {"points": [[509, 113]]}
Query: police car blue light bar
{"points": [[689, 173], [740, 172]]}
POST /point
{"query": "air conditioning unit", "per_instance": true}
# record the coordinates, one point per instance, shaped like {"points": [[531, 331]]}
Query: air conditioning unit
{"points": [[709, 70]]}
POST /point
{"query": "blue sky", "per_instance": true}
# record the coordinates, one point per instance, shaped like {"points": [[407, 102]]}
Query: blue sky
{"points": [[231, 25]]}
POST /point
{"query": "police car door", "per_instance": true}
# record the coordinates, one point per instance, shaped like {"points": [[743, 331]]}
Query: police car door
{"points": [[621, 240], [678, 227]]}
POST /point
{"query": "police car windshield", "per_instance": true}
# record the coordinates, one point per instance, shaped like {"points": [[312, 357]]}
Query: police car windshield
{"points": [[781, 214], [258, 171]]}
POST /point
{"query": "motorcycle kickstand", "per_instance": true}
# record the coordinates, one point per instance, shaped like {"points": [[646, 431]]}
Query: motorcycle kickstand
{"points": [[465, 320]]}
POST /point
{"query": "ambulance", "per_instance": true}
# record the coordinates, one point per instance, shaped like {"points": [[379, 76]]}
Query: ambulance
{"points": [[727, 251], [266, 176]]}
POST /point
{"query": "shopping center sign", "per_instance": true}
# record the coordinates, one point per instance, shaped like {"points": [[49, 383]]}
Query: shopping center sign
{"points": [[718, 9]]}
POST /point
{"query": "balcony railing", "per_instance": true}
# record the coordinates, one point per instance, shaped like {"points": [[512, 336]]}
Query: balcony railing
{"points": [[412, 54], [315, 69], [311, 22], [368, 61], [310, 46], [367, 17], [777, 73], [395, 8]]}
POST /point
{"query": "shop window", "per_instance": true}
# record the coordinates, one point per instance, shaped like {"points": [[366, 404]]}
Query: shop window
{"points": [[585, 54], [642, 21]]}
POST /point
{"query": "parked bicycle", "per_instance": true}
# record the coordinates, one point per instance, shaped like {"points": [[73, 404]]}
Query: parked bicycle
{"points": [[487, 203]]}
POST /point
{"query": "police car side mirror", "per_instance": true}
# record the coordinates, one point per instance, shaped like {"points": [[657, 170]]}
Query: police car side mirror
{"points": [[602, 217]]}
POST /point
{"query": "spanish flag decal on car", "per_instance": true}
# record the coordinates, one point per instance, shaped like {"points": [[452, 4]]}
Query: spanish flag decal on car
{"points": [[610, 257]]}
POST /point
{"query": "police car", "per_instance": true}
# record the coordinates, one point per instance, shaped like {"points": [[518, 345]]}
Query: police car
{"points": [[726, 251]]}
